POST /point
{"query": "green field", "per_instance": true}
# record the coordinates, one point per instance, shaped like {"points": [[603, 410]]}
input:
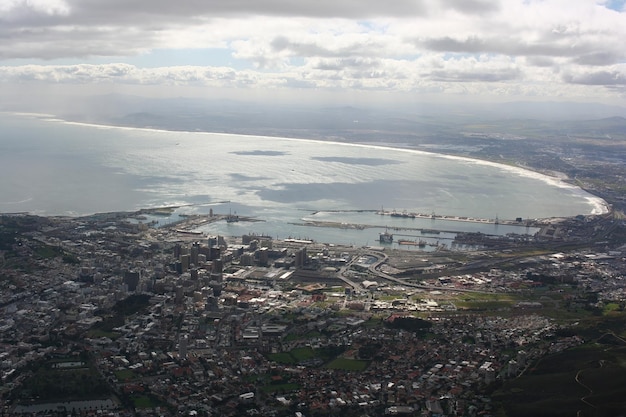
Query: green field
{"points": [[125, 375], [294, 356], [309, 335], [47, 252], [303, 354], [144, 401], [272, 388], [282, 357], [345, 364], [48, 383]]}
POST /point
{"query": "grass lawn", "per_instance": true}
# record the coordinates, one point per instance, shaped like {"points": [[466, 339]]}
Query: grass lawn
{"points": [[144, 402], [348, 364], [483, 305], [310, 335], [47, 252], [611, 308], [485, 301], [303, 354], [125, 375], [282, 357], [294, 356], [268, 389]]}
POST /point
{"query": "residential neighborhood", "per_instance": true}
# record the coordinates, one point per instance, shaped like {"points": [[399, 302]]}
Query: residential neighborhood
{"points": [[160, 321]]}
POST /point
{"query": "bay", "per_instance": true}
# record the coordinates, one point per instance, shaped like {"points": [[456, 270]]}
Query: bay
{"points": [[53, 167]]}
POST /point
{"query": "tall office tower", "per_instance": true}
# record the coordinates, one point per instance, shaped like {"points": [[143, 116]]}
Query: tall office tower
{"points": [[218, 266], [195, 250], [301, 258], [214, 253], [182, 347], [180, 294], [185, 260], [263, 256], [131, 278]]}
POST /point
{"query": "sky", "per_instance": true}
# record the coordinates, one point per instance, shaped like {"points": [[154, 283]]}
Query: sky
{"points": [[438, 50]]}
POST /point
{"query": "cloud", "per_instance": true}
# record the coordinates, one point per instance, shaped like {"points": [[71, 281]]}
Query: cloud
{"points": [[584, 52], [499, 47], [27, 10], [125, 74], [473, 76], [473, 6], [614, 77], [600, 58]]}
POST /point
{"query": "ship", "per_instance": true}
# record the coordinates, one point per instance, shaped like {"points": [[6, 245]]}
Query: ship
{"points": [[385, 237], [404, 214], [419, 243], [232, 218]]}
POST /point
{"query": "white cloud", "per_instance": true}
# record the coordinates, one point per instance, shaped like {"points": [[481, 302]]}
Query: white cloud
{"points": [[24, 10], [550, 47]]}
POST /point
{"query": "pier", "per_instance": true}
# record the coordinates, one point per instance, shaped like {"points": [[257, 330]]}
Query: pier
{"points": [[433, 216]]}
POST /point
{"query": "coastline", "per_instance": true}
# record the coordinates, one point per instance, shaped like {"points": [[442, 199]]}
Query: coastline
{"points": [[556, 179]]}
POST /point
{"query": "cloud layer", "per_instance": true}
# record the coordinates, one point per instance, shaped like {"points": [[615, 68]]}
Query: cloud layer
{"points": [[548, 48]]}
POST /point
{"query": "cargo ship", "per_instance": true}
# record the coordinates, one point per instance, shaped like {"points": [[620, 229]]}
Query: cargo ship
{"points": [[404, 214], [385, 237], [419, 243]]}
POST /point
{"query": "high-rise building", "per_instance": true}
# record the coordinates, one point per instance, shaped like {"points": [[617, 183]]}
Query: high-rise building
{"points": [[195, 250], [214, 253], [180, 294], [185, 260], [131, 279], [182, 347], [301, 258], [263, 256], [218, 266]]}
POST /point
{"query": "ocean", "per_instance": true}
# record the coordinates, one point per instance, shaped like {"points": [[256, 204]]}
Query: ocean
{"points": [[53, 167]]}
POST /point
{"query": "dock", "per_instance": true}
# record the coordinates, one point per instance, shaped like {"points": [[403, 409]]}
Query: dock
{"points": [[433, 216]]}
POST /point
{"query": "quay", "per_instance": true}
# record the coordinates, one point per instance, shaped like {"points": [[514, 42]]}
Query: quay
{"points": [[433, 216]]}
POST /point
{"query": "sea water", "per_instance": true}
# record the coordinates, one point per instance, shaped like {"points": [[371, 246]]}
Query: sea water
{"points": [[54, 167]]}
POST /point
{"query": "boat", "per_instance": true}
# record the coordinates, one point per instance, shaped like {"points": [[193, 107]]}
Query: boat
{"points": [[189, 232], [404, 214], [420, 243], [385, 237], [232, 218]]}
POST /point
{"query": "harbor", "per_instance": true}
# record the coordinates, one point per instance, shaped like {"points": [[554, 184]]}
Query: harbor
{"points": [[358, 228], [433, 216]]}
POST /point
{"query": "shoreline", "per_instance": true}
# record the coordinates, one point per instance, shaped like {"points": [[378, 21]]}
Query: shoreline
{"points": [[557, 179]]}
